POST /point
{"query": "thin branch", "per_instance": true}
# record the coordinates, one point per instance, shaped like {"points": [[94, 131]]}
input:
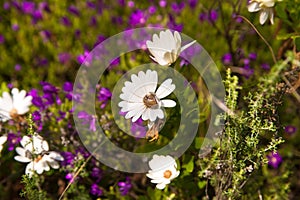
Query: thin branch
{"points": [[261, 36]]}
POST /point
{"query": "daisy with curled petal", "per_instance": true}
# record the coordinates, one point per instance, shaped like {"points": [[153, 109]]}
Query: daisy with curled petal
{"points": [[166, 47], [35, 153], [12, 107], [141, 99], [163, 170], [265, 7]]}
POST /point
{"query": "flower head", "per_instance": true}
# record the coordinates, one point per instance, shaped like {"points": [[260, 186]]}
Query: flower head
{"points": [[35, 152], [125, 186], [163, 170], [140, 97], [12, 107], [265, 7], [166, 47], [274, 159]]}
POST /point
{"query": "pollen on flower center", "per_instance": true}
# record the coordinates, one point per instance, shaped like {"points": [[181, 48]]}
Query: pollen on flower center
{"points": [[167, 174], [38, 158], [13, 113], [150, 100]]}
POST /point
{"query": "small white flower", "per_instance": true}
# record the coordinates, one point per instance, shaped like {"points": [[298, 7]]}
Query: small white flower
{"points": [[166, 47], [35, 153], [11, 107], [141, 99], [163, 170], [3, 139], [265, 7]]}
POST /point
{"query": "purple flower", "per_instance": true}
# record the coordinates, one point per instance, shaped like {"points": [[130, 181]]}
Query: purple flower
{"points": [[130, 4], [87, 119], [289, 129], [65, 21], [68, 87], [2, 39], [64, 57], [72, 9], [227, 59], [192, 3], [96, 174], [137, 18], [252, 56], [15, 27], [162, 3], [213, 16], [203, 17], [6, 6], [152, 10], [37, 15], [265, 66], [137, 129], [69, 177], [91, 4], [93, 21], [177, 7], [173, 25], [274, 159], [36, 116], [125, 186], [45, 34], [68, 158], [246, 62], [104, 94], [28, 7], [13, 140], [18, 67], [85, 58], [44, 6], [48, 88], [95, 190]]}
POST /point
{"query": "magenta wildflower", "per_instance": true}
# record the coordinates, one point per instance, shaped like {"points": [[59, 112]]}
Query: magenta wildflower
{"points": [[13, 140], [28, 7], [87, 119], [2, 39], [125, 186], [64, 57], [162, 3], [265, 66], [274, 159], [227, 59], [104, 95], [72, 9], [136, 18], [289, 129], [95, 190], [213, 15]]}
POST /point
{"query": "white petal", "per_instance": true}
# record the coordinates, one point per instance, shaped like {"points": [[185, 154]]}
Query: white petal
{"points": [[29, 169], [146, 114], [135, 112], [253, 7], [271, 16], [156, 113], [160, 186], [138, 115], [263, 17], [3, 139], [168, 103], [165, 89], [6, 103], [56, 156], [22, 159], [187, 45]]}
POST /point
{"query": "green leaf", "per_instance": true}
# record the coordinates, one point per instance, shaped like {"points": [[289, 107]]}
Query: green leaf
{"points": [[189, 163]]}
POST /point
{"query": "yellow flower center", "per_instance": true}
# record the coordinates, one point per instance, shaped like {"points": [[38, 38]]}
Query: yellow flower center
{"points": [[13, 113], [150, 100], [37, 159], [167, 174]]}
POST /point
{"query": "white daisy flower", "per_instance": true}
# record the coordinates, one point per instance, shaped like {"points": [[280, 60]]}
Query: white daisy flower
{"points": [[3, 139], [166, 47], [140, 98], [163, 170], [265, 7], [36, 153], [12, 107]]}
